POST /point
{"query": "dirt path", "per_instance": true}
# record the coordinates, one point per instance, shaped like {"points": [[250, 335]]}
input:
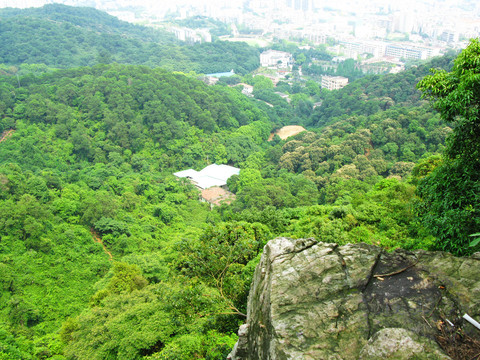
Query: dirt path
{"points": [[6, 134], [98, 239]]}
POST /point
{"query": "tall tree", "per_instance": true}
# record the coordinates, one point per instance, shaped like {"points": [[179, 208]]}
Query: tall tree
{"points": [[450, 194]]}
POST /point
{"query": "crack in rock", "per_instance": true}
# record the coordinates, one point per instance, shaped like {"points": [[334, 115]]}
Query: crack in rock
{"points": [[314, 300]]}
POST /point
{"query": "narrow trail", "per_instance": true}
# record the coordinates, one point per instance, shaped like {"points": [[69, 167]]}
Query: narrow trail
{"points": [[6, 134], [98, 239]]}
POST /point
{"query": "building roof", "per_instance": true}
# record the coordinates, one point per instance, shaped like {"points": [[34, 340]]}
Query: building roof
{"points": [[223, 74], [190, 173], [212, 175]]}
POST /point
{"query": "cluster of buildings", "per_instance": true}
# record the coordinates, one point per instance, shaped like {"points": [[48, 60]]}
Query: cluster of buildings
{"points": [[427, 27], [353, 48], [191, 35], [382, 28], [279, 60]]}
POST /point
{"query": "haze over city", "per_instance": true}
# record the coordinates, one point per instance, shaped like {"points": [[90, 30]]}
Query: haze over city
{"points": [[433, 23]]}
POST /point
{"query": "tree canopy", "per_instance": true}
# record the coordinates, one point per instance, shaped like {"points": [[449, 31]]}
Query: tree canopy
{"points": [[62, 36], [450, 194], [105, 254]]}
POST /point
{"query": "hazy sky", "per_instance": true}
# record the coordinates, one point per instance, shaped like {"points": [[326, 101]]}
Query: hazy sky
{"points": [[172, 3], [444, 9]]}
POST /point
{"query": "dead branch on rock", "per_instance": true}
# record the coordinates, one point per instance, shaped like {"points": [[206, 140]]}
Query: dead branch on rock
{"points": [[395, 272]]}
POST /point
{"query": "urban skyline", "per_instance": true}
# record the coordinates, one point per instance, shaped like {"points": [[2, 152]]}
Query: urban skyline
{"points": [[409, 29]]}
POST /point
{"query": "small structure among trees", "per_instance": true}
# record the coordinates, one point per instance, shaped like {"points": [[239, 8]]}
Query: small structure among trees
{"points": [[279, 59], [334, 82], [212, 181], [212, 175]]}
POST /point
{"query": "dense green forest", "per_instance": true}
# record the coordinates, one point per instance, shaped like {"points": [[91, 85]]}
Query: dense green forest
{"points": [[91, 158], [62, 36], [104, 254]]}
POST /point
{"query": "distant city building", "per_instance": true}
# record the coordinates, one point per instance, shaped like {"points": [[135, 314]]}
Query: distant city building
{"points": [[410, 52], [299, 5], [247, 89], [275, 79], [191, 35], [382, 65], [405, 22], [449, 36], [334, 82], [354, 48], [276, 58], [222, 74], [313, 35], [338, 59]]}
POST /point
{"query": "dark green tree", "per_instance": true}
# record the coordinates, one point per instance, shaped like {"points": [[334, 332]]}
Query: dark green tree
{"points": [[450, 195]]}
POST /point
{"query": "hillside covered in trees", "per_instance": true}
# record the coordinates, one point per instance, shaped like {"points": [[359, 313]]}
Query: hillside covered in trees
{"points": [[104, 254], [61, 36]]}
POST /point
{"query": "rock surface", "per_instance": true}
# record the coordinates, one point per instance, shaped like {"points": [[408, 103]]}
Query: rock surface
{"points": [[313, 300]]}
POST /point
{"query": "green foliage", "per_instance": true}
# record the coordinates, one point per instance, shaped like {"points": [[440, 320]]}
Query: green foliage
{"points": [[363, 147], [449, 203], [476, 241], [135, 105], [126, 278], [88, 174], [261, 82], [142, 322], [211, 346], [375, 93], [380, 216], [448, 206], [220, 258], [12, 348], [455, 95], [92, 162], [63, 37]]}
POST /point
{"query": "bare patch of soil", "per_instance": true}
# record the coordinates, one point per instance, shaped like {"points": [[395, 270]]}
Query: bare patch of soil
{"points": [[287, 131], [98, 239]]}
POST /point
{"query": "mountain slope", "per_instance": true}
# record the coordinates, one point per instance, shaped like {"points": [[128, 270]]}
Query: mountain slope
{"points": [[62, 36], [86, 177]]}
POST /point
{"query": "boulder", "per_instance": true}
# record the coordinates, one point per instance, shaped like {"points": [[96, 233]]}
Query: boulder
{"points": [[313, 300]]}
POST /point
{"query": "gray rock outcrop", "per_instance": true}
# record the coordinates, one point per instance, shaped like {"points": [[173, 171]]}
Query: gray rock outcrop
{"points": [[313, 300]]}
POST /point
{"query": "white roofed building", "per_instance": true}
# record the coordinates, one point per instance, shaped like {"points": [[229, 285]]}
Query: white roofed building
{"points": [[276, 58], [212, 175]]}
